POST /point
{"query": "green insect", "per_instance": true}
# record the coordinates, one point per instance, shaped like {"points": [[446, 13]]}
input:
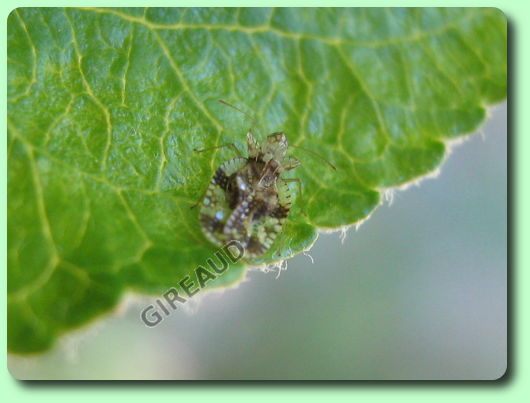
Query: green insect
{"points": [[247, 199]]}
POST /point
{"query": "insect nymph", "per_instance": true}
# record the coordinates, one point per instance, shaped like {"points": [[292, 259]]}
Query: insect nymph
{"points": [[247, 199]]}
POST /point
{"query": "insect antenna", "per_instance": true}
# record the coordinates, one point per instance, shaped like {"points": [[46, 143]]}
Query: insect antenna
{"points": [[315, 155], [255, 122], [248, 115]]}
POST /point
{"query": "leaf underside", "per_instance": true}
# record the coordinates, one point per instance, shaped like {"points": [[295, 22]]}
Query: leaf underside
{"points": [[105, 107]]}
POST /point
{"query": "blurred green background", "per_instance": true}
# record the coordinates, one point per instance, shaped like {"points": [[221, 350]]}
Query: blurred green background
{"points": [[418, 292]]}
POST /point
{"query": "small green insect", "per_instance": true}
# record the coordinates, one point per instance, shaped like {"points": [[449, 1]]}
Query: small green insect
{"points": [[247, 199]]}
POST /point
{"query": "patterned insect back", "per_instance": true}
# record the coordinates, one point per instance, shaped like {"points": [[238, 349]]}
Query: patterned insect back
{"points": [[247, 200]]}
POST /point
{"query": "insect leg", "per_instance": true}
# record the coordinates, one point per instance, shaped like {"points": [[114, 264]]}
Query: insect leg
{"points": [[221, 146], [252, 145], [294, 180], [199, 201], [299, 184]]}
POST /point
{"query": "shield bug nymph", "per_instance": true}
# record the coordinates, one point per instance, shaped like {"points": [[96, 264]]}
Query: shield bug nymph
{"points": [[247, 199]]}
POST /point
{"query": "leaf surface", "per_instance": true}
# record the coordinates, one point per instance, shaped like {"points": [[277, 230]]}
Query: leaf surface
{"points": [[105, 107]]}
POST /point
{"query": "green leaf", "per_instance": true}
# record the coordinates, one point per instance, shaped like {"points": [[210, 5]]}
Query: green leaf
{"points": [[105, 107]]}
